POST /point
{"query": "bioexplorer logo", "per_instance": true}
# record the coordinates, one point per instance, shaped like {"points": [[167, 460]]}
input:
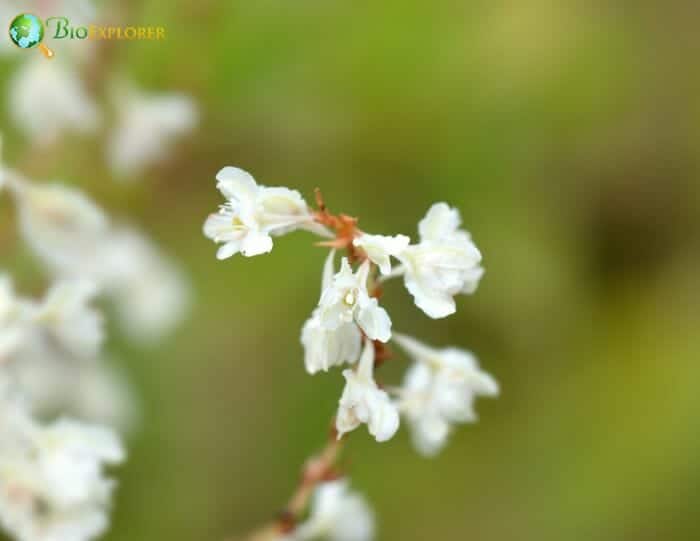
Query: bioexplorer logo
{"points": [[28, 31]]}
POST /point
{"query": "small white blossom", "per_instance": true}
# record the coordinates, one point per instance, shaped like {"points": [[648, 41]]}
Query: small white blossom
{"points": [[149, 290], [346, 300], [52, 484], [444, 263], [323, 347], [337, 514], [90, 389], [66, 315], [100, 392], [62, 226], [253, 214], [147, 126], [380, 248], [363, 402], [439, 390], [47, 99]]}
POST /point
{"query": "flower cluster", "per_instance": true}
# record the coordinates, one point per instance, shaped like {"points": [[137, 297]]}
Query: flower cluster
{"points": [[74, 238], [52, 485], [350, 327], [52, 480], [61, 399]]}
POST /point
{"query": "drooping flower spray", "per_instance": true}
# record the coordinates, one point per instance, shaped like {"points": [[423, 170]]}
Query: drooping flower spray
{"points": [[350, 327], [64, 405]]}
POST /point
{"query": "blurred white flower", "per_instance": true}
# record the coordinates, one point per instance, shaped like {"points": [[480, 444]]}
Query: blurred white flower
{"points": [[89, 389], [363, 402], [253, 214], [324, 347], [149, 290], [439, 390], [346, 300], [75, 239], [50, 350], [380, 248], [66, 316], [147, 126], [444, 263], [47, 99], [62, 226], [63, 322], [99, 392], [52, 484], [337, 514]]}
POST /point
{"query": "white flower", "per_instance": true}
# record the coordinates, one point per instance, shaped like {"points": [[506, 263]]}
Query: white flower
{"points": [[99, 392], [337, 514], [444, 263], [363, 402], [91, 389], [324, 347], [439, 390], [380, 248], [66, 315], [253, 214], [346, 300], [47, 99], [74, 239], [62, 226], [147, 126], [148, 289], [52, 484], [71, 456]]}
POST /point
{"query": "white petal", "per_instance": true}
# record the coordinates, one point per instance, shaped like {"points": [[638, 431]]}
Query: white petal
{"points": [[472, 278], [440, 222], [384, 417], [325, 348], [415, 348], [380, 248], [217, 226], [429, 434], [256, 243], [282, 201], [235, 183], [228, 249], [328, 271], [436, 304], [374, 320]]}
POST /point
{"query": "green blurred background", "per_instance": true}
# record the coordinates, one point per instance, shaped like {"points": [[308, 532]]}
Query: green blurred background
{"points": [[567, 133]]}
